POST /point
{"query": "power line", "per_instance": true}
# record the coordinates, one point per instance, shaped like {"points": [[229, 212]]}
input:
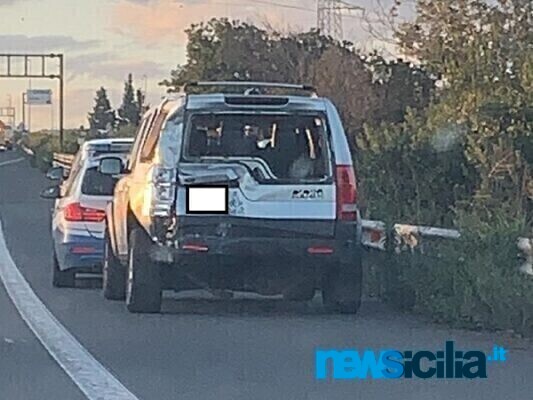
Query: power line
{"points": [[281, 5], [329, 13]]}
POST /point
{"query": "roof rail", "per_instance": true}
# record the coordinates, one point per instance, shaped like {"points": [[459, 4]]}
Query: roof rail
{"points": [[247, 85]]}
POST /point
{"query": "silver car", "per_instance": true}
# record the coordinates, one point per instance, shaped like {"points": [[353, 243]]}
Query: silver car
{"points": [[78, 218]]}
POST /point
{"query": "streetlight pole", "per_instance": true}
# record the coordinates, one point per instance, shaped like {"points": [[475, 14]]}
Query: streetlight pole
{"points": [[61, 94], [24, 111]]}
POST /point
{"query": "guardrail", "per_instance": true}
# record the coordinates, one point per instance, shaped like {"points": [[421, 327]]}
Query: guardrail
{"points": [[27, 150], [63, 160], [407, 237]]}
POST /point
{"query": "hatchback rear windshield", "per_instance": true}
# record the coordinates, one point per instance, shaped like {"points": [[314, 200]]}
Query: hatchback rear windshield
{"points": [[293, 146], [97, 184]]}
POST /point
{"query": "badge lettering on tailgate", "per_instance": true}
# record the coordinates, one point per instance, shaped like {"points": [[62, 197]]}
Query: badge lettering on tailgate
{"points": [[308, 194]]}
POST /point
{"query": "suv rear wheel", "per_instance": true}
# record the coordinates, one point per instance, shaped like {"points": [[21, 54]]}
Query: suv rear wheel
{"points": [[342, 287], [143, 288], [114, 273], [300, 291], [60, 278]]}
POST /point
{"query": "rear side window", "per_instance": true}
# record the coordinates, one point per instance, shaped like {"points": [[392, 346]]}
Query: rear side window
{"points": [[293, 146], [152, 138], [97, 184]]}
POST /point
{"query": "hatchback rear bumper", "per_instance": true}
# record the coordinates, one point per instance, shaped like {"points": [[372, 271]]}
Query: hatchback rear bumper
{"points": [[78, 251]]}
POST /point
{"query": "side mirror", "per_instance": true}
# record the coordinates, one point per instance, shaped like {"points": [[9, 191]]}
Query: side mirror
{"points": [[111, 166], [55, 173], [52, 192]]}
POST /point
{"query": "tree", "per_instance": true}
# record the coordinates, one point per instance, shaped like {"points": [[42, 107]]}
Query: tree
{"points": [[482, 56], [230, 50], [103, 116], [129, 111], [140, 104]]}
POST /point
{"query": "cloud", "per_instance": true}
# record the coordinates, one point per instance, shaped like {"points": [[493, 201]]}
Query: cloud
{"points": [[46, 43], [10, 2], [154, 22], [163, 22], [105, 66]]}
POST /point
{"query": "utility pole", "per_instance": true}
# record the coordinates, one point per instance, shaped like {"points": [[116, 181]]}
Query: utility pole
{"points": [[24, 111], [61, 98], [329, 17]]}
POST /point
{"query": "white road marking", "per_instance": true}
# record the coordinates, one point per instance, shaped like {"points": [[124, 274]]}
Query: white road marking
{"points": [[16, 160], [93, 379]]}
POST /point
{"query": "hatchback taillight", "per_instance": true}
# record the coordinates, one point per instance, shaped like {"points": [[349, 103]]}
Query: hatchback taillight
{"points": [[346, 193], [75, 212]]}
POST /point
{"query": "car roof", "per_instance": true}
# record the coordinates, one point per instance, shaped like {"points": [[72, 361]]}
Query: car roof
{"points": [[106, 141], [109, 145], [219, 101]]}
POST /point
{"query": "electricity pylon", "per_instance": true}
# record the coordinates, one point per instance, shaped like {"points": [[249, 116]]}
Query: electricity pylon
{"points": [[329, 16]]}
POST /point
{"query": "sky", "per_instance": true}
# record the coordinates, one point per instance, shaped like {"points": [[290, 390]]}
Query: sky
{"points": [[104, 40]]}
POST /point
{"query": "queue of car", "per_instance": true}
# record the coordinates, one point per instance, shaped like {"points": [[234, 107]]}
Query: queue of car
{"points": [[249, 191]]}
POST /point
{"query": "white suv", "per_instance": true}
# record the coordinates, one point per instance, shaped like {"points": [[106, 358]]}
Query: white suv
{"points": [[247, 191]]}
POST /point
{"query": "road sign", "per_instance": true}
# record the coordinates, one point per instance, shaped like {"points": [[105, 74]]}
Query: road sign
{"points": [[39, 97]]}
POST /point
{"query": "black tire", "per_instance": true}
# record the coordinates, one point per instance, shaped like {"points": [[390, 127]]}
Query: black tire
{"points": [[342, 288], [143, 283], [62, 279], [113, 273], [301, 291]]}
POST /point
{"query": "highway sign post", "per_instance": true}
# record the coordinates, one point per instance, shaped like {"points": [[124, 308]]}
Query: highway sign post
{"points": [[10, 68]]}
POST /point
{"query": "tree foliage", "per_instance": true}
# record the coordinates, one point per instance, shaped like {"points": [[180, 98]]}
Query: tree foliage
{"points": [[367, 89], [130, 110], [102, 117], [482, 54]]}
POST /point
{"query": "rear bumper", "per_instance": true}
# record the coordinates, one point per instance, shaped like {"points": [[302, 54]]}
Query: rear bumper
{"points": [[277, 248], [78, 251], [244, 239]]}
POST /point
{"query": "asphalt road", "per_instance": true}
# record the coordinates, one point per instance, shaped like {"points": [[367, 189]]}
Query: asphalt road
{"points": [[202, 349]]}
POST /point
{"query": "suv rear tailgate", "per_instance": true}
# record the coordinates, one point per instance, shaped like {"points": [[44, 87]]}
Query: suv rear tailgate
{"points": [[264, 210]]}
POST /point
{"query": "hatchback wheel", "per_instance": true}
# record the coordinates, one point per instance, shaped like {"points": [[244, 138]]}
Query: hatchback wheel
{"points": [[61, 278], [143, 288], [114, 273]]}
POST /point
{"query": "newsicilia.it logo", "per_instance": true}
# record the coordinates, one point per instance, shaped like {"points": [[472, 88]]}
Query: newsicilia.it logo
{"points": [[407, 364]]}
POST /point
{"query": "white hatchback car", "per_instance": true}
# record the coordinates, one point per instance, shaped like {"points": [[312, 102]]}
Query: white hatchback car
{"points": [[78, 219]]}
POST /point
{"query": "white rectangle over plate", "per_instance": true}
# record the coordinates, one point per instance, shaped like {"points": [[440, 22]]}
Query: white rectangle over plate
{"points": [[207, 199]]}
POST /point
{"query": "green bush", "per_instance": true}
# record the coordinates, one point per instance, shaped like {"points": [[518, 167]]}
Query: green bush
{"points": [[45, 144], [471, 282]]}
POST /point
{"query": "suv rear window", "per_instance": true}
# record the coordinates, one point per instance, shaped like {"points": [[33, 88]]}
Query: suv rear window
{"points": [[294, 146], [97, 184]]}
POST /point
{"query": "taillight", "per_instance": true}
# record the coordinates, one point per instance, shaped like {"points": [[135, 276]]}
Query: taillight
{"points": [[164, 191], [74, 212], [346, 193], [320, 250]]}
